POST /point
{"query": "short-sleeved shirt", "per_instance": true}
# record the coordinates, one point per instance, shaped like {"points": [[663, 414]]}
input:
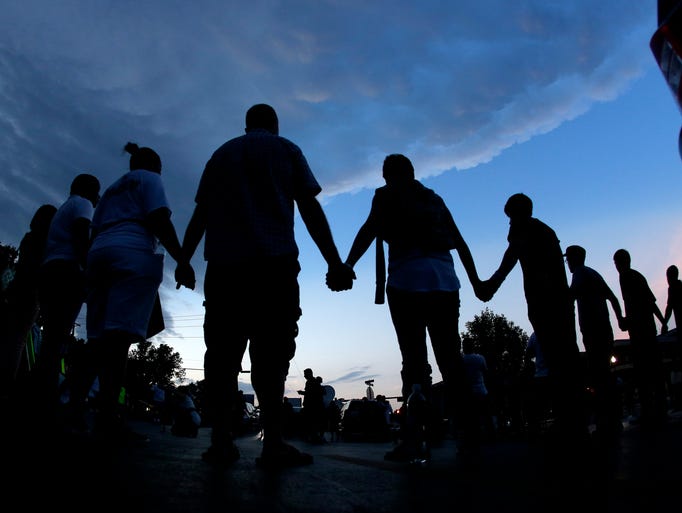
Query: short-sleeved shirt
{"points": [[249, 187], [60, 241], [120, 217], [638, 301], [591, 294], [539, 252]]}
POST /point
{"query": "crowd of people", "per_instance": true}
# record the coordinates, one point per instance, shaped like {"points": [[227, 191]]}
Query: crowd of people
{"points": [[105, 252]]}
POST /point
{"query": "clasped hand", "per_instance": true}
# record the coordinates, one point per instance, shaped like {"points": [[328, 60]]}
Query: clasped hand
{"points": [[340, 277], [184, 276], [484, 290]]}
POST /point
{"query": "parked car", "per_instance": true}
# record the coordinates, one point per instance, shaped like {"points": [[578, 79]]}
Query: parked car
{"points": [[364, 419]]}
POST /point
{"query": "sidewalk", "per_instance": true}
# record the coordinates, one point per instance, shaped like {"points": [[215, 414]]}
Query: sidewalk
{"points": [[642, 472]]}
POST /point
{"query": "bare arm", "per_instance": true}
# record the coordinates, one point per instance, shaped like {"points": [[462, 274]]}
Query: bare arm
{"points": [[318, 227], [659, 315], [488, 288], [160, 224], [467, 260], [366, 234], [615, 304], [339, 275], [194, 232]]}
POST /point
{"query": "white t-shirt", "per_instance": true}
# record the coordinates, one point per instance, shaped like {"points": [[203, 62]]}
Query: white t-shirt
{"points": [[422, 272], [60, 243], [119, 218], [475, 367]]}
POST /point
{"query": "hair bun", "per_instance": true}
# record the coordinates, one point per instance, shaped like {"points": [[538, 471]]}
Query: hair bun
{"points": [[132, 148]]}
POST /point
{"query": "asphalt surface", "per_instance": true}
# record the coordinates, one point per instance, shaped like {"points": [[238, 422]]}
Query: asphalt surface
{"points": [[640, 471]]}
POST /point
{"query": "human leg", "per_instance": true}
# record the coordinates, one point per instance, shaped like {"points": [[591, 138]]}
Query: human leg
{"points": [[272, 346], [408, 315], [62, 293], [111, 356], [226, 339], [443, 328]]}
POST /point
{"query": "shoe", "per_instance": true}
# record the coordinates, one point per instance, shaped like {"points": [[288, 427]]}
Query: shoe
{"points": [[221, 456], [283, 456]]}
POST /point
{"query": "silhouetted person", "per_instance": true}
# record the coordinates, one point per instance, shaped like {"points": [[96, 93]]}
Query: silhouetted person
{"points": [[314, 417], [476, 369], [245, 206], [673, 307], [592, 296], [124, 272], [641, 312], [422, 287], [22, 299], [535, 246], [537, 395], [62, 286]]}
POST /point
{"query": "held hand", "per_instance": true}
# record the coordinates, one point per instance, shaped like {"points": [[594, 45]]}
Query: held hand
{"points": [[184, 276], [484, 291], [623, 324], [340, 277]]}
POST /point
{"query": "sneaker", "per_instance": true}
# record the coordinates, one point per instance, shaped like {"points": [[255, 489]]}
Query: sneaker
{"points": [[284, 455], [221, 456]]}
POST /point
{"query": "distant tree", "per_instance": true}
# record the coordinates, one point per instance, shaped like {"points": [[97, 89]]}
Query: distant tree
{"points": [[149, 364], [503, 344], [493, 336]]}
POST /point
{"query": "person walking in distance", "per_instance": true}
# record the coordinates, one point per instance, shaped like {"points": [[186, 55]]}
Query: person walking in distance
{"points": [[245, 207], [592, 296], [313, 407]]}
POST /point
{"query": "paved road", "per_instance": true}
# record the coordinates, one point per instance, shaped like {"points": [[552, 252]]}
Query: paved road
{"points": [[641, 473]]}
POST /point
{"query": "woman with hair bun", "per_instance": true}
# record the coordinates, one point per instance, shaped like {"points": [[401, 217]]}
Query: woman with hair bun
{"points": [[124, 272]]}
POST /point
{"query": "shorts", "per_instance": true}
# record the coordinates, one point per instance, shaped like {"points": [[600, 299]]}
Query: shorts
{"points": [[122, 287]]}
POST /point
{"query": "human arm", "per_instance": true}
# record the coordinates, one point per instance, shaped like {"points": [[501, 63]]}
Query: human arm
{"points": [[489, 287], [363, 239], [160, 225], [193, 235], [339, 275], [659, 316], [468, 262], [615, 305]]}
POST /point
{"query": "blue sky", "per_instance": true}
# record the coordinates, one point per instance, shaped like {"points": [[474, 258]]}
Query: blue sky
{"points": [[560, 100]]}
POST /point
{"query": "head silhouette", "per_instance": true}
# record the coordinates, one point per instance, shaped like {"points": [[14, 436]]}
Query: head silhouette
{"points": [[621, 259], [262, 116], [575, 256], [40, 222], [518, 206], [86, 186], [672, 273], [397, 169], [143, 158]]}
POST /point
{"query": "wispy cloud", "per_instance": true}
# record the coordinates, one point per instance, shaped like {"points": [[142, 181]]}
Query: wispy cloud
{"points": [[451, 85]]}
